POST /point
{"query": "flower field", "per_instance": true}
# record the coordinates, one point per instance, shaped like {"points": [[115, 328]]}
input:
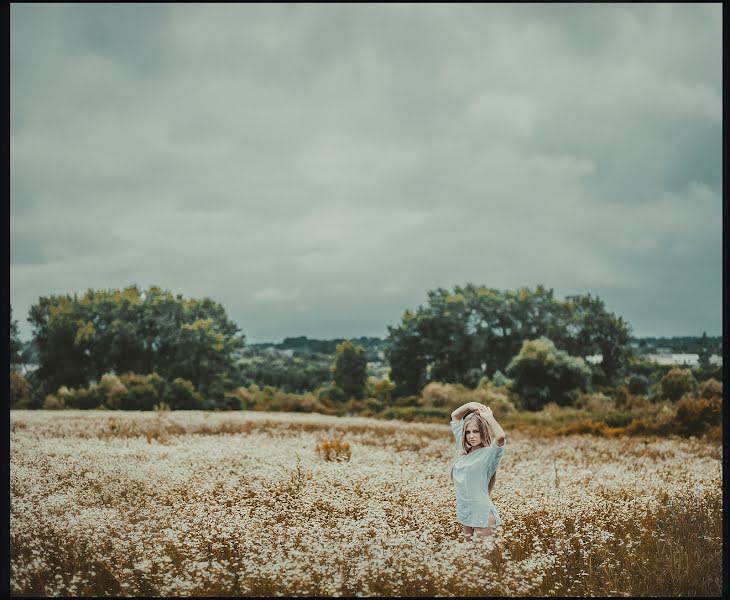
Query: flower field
{"points": [[243, 503]]}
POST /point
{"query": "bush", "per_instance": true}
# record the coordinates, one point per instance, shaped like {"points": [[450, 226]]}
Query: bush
{"points": [[334, 449], [591, 427], [598, 377], [439, 395], [81, 398], [245, 398], [501, 380], [417, 413], [158, 383], [381, 389], [676, 383], [140, 393], [696, 415], [624, 399], [331, 392], [542, 373], [19, 391], [710, 389], [451, 396], [405, 401], [595, 402], [711, 372], [638, 384], [111, 390], [181, 395], [52, 402], [306, 403], [615, 418]]}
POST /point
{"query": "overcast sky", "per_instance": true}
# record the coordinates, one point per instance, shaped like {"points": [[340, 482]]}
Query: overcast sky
{"points": [[318, 168]]}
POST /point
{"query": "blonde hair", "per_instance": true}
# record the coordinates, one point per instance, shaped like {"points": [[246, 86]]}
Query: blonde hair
{"points": [[464, 446]]}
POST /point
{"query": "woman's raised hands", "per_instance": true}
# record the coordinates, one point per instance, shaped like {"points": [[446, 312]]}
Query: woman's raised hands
{"points": [[485, 411]]}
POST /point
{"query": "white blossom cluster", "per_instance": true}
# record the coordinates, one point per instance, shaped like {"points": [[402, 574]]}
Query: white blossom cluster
{"points": [[239, 503]]}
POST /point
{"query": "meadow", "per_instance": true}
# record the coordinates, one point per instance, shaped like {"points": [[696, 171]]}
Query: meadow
{"points": [[241, 503]]}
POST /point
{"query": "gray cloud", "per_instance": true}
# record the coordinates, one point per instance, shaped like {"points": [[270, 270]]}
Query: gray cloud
{"points": [[318, 168]]}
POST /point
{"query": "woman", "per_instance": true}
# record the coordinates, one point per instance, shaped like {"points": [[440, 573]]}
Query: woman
{"points": [[480, 443]]}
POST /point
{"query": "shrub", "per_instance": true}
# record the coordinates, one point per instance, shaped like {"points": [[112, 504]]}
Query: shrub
{"points": [[381, 389], [598, 377], [331, 392], [595, 402], [710, 389], [624, 399], [615, 418], [451, 396], [140, 393], [591, 427], [284, 402], [695, 415], [81, 398], [111, 390], [676, 383], [417, 413], [19, 391], [438, 394], [640, 427], [158, 383], [501, 380], [638, 384], [334, 449], [542, 373], [244, 397], [52, 402], [404, 401], [180, 394]]}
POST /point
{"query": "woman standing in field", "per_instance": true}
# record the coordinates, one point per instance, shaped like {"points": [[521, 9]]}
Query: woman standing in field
{"points": [[480, 444]]}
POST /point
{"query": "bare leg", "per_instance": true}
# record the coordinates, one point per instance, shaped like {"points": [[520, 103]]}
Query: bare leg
{"points": [[467, 532], [485, 532]]}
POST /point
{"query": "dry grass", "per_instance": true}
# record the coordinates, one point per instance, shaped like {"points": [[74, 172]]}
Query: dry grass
{"points": [[334, 448], [195, 503]]}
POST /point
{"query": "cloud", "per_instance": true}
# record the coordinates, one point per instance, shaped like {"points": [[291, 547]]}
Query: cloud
{"points": [[317, 169]]}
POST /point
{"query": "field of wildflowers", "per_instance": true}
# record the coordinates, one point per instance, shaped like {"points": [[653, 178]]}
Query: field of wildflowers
{"points": [[252, 503]]}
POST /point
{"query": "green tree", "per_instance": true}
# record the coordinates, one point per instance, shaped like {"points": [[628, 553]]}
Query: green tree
{"points": [[474, 331], [79, 339], [16, 346], [541, 373], [405, 356], [594, 330], [704, 352], [350, 369]]}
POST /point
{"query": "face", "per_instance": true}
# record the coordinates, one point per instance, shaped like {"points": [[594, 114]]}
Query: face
{"points": [[473, 438]]}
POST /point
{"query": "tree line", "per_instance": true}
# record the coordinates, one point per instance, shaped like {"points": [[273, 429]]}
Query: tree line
{"points": [[475, 331], [460, 336]]}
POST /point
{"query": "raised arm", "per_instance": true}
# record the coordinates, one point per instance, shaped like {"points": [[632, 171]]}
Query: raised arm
{"points": [[494, 427], [464, 409]]}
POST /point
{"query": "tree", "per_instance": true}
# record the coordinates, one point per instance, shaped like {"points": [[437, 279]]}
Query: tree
{"points": [[350, 369], [475, 331], [79, 339], [598, 331], [541, 373], [404, 354], [704, 353], [16, 346]]}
